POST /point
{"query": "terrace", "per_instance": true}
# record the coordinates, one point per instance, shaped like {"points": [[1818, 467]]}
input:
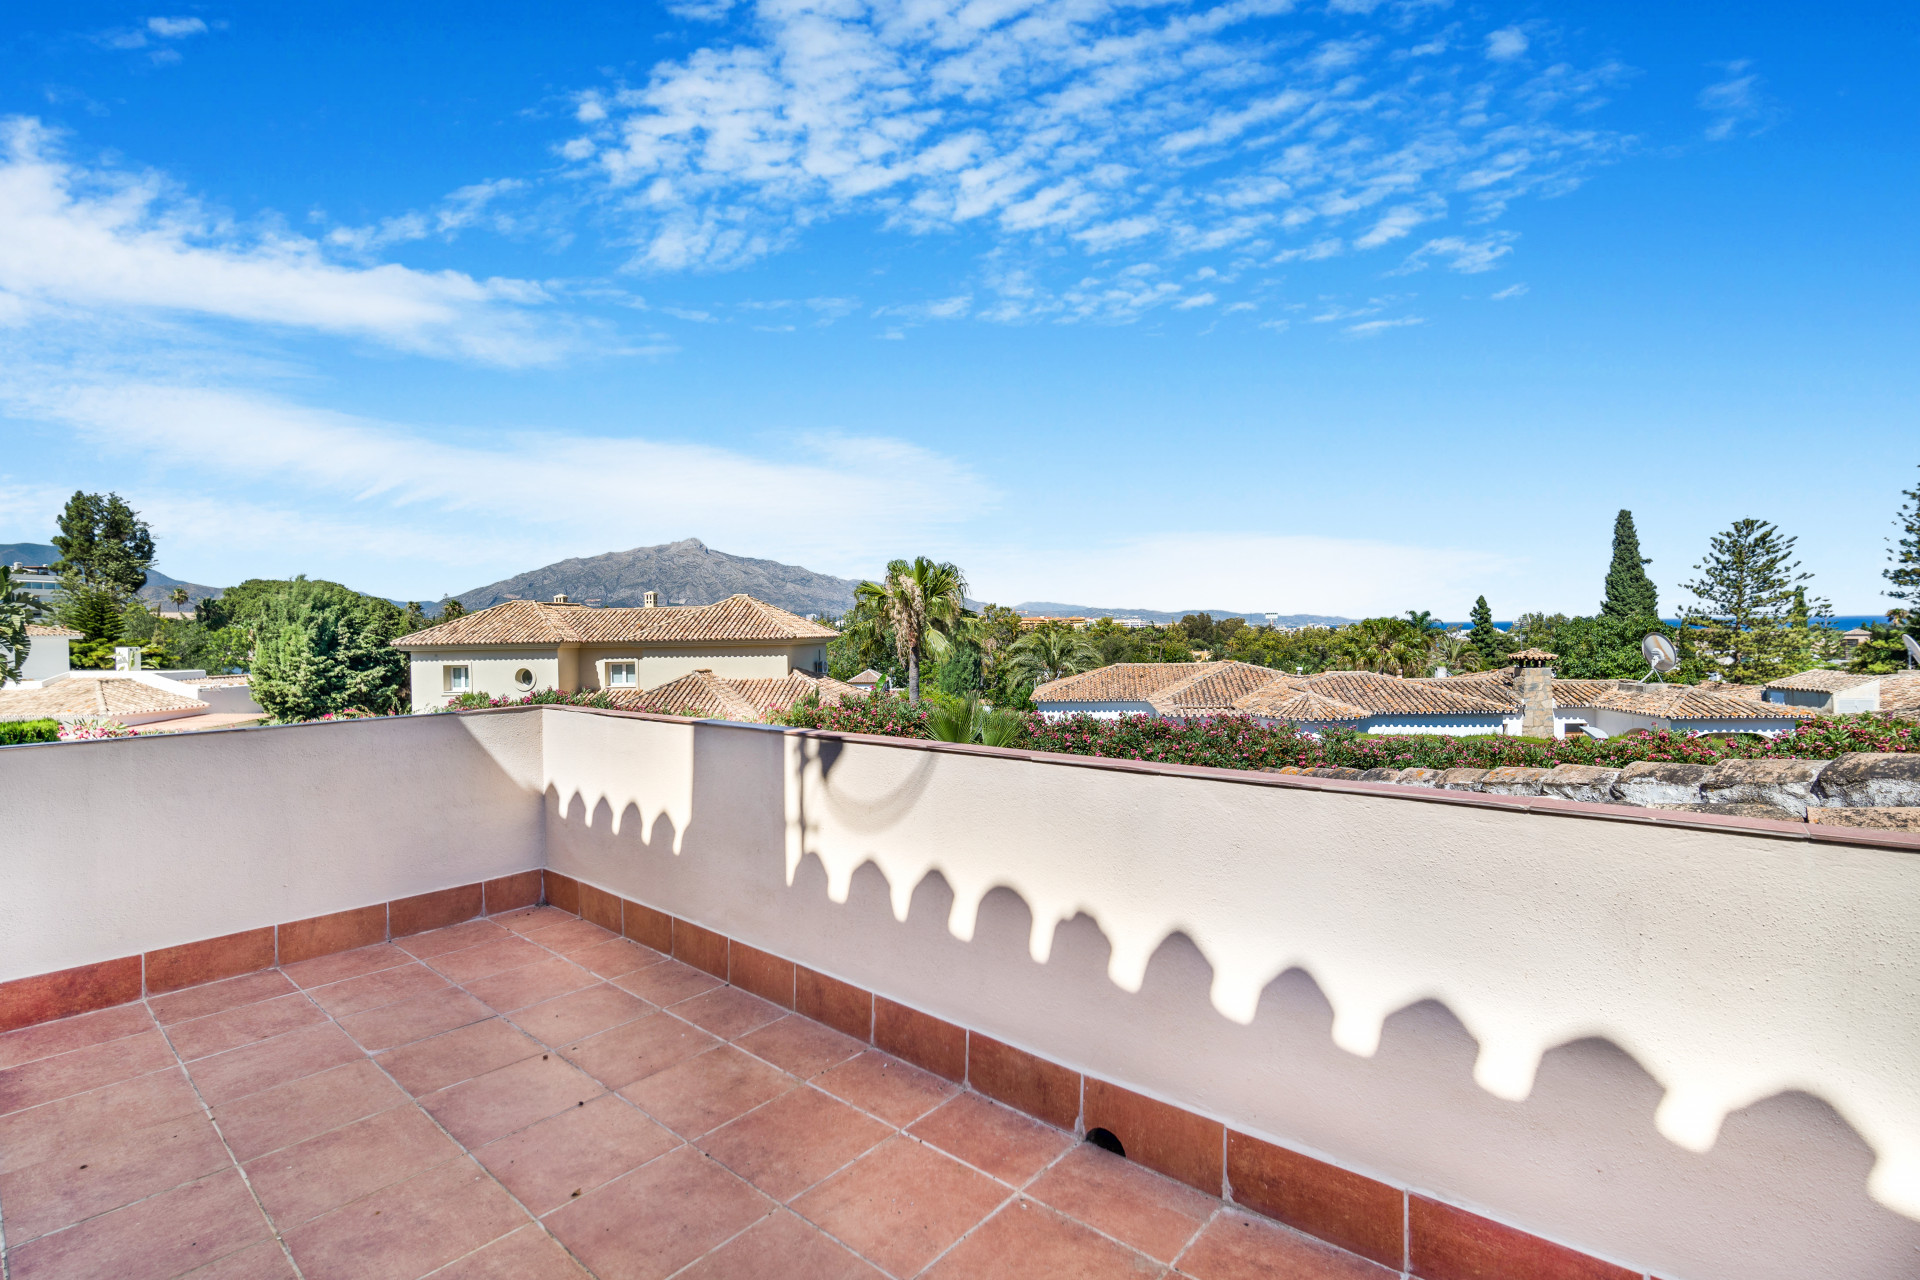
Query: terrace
{"points": [[553, 991]]}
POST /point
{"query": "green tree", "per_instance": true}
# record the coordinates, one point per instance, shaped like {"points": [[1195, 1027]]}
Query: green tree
{"points": [[922, 602], [1488, 640], [104, 545], [1630, 592], [416, 618], [1903, 575], [319, 647], [1390, 645], [451, 609], [1051, 651], [15, 611], [1200, 630], [1745, 596]]}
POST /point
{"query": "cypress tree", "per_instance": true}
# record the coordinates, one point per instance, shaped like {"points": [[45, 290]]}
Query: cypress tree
{"points": [[1630, 592], [1487, 639]]}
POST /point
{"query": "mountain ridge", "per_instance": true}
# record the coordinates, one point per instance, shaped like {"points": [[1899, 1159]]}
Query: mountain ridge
{"points": [[155, 593], [683, 572]]}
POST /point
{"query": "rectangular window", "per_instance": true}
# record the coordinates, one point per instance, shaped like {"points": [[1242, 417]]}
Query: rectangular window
{"points": [[457, 679], [620, 673]]}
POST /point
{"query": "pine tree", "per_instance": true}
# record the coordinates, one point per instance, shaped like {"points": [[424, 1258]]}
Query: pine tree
{"points": [[1746, 591], [1904, 574], [103, 544], [1630, 592], [1487, 639]]}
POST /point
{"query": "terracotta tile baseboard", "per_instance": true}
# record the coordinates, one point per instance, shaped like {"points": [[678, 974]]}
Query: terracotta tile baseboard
{"points": [[1425, 1238], [1420, 1237], [48, 996]]}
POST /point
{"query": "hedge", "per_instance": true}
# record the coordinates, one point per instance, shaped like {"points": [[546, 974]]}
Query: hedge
{"points": [[17, 731]]}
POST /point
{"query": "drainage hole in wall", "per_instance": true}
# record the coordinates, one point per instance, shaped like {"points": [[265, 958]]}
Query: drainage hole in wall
{"points": [[1104, 1139]]}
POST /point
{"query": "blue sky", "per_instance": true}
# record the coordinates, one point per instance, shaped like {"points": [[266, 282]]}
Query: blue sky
{"points": [[1351, 306]]}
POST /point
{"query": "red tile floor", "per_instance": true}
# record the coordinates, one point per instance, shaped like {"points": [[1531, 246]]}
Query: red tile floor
{"points": [[530, 1096]]}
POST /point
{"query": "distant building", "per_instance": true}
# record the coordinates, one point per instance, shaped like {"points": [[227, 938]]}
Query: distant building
{"points": [[37, 582], [1840, 692], [523, 645]]}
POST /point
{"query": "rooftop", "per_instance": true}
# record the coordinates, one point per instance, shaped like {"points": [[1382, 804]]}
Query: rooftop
{"points": [[111, 695], [702, 694], [36, 631], [737, 618]]}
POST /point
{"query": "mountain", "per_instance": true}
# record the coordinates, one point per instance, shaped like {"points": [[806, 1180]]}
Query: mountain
{"points": [[159, 586], [683, 572], [1051, 608]]}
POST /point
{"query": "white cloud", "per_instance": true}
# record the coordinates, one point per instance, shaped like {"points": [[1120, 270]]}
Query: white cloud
{"points": [[1506, 44], [1734, 102], [486, 504], [104, 240], [1236, 569], [175, 28], [1197, 300], [1161, 130], [1510, 292], [1372, 328], [1467, 256]]}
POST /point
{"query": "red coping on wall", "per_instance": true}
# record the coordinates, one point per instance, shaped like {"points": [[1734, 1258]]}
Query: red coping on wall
{"points": [[1427, 1238]]}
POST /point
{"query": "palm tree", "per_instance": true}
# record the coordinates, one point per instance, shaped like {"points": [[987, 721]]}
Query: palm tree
{"points": [[1049, 652], [1452, 650], [1387, 645], [179, 596], [922, 602]]}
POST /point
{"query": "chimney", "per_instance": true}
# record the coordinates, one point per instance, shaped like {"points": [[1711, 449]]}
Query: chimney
{"points": [[1535, 679], [561, 598], [650, 600]]}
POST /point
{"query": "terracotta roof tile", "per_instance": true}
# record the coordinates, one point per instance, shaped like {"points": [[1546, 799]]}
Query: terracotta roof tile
{"points": [[706, 696], [1148, 681], [35, 629], [1289, 702], [1397, 695], [737, 618], [1823, 681], [109, 696]]}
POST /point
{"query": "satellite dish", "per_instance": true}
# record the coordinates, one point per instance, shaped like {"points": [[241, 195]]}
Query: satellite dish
{"points": [[1913, 649], [1658, 651]]}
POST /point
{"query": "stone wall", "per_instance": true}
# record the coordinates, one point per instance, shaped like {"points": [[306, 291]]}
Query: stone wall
{"points": [[1876, 791]]}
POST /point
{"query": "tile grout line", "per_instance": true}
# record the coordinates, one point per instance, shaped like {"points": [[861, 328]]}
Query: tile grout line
{"points": [[245, 1181]]}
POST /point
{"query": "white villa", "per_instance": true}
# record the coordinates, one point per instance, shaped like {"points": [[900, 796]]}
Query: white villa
{"points": [[524, 645]]}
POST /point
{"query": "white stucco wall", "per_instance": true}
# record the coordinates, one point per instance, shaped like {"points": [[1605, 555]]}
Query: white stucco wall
{"points": [[113, 847], [490, 671], [1454, 726], [1862, 697], [46, 658], [662, 664], [1098, 710], [1687, 1051]]}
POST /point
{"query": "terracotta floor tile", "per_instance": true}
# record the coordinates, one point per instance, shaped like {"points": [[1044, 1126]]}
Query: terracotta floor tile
{"points": [[528, 1254], [215, 997], [163, 1235], [1010, 1146], [902, 1204], [455, 937], [308, 1179], [728, 1011], [80, 1070], [407, 1229], [637, 1049], [617, 957], [508, 951], [371, 991], [323, 971], [1155, 1215], [499, 1102], [50, 1130], [784, 1246], [304, 1108], [29, 1044], [263, 1261], [1239, 1246], [668, 982], [794, 1141], [531, 919], [580, 1014], [573, 937], [393, 1025], [544, 979], [1027, 1238], [265, 1063], [473, 1050], [101, 1175], [658, 1218], [220, 1032], [548, 1163], [707, 1090], [897, 1092], [800, 1045]]}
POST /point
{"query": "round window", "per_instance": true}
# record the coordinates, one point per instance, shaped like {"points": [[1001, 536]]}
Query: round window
{"points": [[523, 678]]}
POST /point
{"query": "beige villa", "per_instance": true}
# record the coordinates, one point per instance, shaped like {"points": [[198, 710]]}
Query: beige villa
{"points": [[524, 645]]}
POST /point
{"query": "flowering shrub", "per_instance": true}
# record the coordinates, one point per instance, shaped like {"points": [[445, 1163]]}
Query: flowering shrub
{"points": [[94, 727], [538, 698], [877, 713]]}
